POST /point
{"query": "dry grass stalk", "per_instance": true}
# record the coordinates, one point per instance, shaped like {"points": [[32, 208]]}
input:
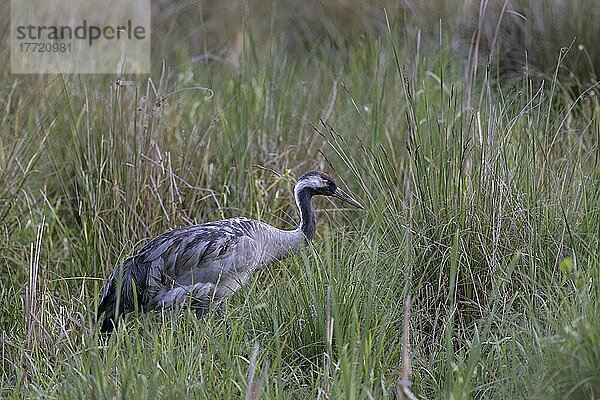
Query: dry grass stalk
{"points": [[403, 388], [255, 387], [34, 312]]}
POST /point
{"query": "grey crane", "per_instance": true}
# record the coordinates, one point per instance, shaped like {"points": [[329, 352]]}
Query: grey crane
{"points": [[202, 265]]}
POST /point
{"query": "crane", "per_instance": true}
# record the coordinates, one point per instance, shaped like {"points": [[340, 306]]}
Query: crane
{"points": [[202, 265]]}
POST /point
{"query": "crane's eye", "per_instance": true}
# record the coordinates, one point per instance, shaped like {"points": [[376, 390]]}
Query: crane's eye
{"points": [[324, 176]]}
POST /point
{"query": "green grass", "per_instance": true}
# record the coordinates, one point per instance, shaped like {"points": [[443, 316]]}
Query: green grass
{"points": [[482, 205]]}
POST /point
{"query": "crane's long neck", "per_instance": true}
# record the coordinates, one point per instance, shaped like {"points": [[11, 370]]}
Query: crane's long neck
{"points": [[308, 223]]}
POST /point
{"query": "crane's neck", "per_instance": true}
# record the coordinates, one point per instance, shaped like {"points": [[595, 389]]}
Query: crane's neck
{"points": [[282, 243], [308, 223]]}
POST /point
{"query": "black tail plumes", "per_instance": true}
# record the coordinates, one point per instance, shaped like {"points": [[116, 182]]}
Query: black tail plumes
{"points": [[118, 295]]}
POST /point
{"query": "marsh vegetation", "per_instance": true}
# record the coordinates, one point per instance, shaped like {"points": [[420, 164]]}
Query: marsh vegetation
{"points": [[470, 133]]}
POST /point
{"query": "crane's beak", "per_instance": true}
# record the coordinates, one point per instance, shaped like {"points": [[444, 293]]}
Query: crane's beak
{"points": [[340, 194]]}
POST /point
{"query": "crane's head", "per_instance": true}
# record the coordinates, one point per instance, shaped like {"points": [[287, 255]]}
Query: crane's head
{"points": [[320, 183]]}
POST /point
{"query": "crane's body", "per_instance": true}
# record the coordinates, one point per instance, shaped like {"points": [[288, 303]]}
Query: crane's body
{"points": [[202, 265]]}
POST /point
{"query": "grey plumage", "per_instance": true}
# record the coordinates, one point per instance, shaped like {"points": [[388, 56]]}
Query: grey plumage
{"points": [[202, 265]]}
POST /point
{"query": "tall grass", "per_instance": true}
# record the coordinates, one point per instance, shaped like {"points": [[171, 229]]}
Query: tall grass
{"points": [[482, 206]]}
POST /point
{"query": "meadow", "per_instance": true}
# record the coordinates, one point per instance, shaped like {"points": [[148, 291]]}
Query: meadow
{"points": [[479, 166]]}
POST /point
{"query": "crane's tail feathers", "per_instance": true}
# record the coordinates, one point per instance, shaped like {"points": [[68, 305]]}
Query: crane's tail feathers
{"points": [[117, 297]]}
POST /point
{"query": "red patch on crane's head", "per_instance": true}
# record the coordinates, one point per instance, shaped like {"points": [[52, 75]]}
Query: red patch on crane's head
{"points": [[325, 176]]}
